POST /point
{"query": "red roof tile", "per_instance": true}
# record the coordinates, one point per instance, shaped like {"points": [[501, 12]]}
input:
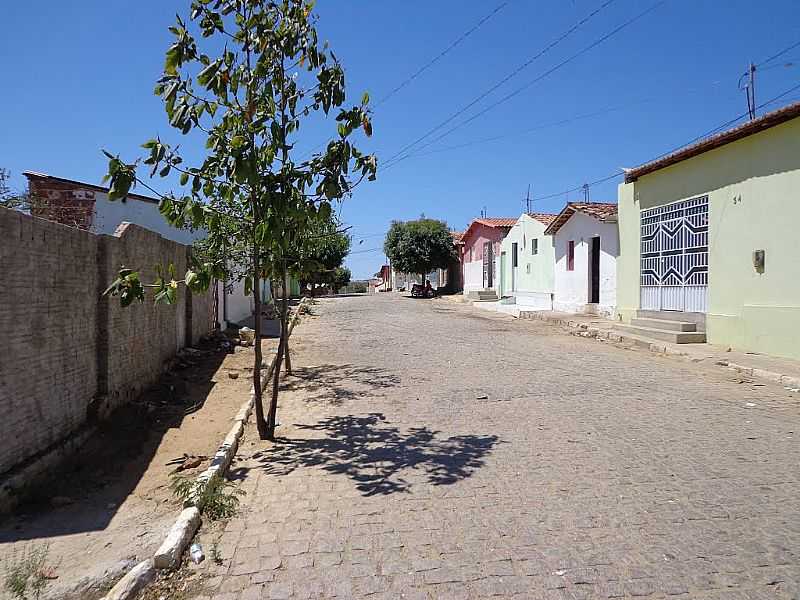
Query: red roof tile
{"points": [[497, 221], [545, 218], [602, 211]]}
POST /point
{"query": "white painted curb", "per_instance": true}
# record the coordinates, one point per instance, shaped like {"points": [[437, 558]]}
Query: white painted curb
{"points": [[169, 554], [134, 582]]}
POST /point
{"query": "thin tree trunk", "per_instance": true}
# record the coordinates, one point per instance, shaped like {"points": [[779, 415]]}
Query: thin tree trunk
{"points": [[261, 424], [276, 375]]}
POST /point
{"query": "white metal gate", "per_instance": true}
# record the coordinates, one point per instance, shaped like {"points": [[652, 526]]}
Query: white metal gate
{"points": [[674, 263]]}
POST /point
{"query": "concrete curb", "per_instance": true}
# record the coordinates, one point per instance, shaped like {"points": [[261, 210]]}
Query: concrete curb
{"points": [[585, 330], [133, 582], [169, 554]]}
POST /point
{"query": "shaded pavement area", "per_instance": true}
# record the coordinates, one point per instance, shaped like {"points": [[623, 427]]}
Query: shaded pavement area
{"points": [[431, 451]]}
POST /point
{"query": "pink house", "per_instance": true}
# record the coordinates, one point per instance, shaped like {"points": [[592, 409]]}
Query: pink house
{"points": [[480, 253]]}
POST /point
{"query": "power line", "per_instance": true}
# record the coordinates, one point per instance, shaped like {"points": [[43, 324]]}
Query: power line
{"points": [[443, 53], [504, 80], [689, 143], [434, 60], [779, 54], [368, 250], [519, 90], [564, 121]]}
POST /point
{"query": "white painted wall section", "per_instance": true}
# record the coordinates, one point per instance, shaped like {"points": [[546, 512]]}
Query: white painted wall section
{"points": [[572, 287], [473, 276]]}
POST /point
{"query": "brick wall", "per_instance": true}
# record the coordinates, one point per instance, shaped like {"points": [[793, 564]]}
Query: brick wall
{"points": [[68, 354], [62, 202]]}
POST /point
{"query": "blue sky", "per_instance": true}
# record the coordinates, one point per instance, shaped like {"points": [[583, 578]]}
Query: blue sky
{"points": [[79, 76]]}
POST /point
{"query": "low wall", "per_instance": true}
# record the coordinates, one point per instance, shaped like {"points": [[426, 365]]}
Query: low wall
{"points": [[70, 355]]}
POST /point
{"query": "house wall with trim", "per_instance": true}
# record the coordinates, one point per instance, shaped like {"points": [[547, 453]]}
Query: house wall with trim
{"points": [[572, 286], [472, 256], [753, 186], [534, 284]]}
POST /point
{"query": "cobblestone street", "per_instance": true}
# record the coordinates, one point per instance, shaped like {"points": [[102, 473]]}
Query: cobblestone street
{"points": [[429, 450]]}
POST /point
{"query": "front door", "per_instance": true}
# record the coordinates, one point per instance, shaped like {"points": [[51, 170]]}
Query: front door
{"points": [[488, 265], [674, 260], [594, 270], [514, 266]]}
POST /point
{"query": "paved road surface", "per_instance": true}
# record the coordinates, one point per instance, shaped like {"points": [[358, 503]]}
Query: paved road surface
{"points": [[435, 451]]}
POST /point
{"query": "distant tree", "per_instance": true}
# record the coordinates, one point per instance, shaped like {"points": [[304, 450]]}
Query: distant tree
{"points": [[341, 277], [11, 199], [419, 246], [327, 247]]}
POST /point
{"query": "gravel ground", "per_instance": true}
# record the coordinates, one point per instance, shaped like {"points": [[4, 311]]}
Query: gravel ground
{"points": [[432, 451], [117, 505]]}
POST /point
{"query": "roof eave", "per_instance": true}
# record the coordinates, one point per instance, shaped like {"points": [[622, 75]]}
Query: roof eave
{"points": [[767, 121]]}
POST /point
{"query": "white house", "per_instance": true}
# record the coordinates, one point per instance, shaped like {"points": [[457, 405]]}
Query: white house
{"points": [[586, 243], [87, 206]]}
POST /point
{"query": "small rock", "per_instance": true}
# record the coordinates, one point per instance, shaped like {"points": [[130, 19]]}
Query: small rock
{"points": [[233, 374]]}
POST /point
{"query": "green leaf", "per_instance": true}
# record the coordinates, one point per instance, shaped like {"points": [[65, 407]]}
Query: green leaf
{"points": [[365, 99], [184, 178]]}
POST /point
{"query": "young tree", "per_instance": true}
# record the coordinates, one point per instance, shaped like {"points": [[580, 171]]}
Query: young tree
{"points": [[419, 246], [246, 75]]}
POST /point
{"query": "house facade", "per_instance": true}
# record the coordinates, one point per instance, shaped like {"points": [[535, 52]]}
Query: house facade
{"points": [[480, 253], [708, 235], [527, 259], [586, 247]]}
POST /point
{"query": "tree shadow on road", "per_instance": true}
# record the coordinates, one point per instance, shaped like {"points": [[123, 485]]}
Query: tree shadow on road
{"points": [[334, 384], [376, 455]]}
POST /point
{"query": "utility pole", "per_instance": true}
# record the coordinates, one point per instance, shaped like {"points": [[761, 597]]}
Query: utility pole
{"points": [[586, 192], [750, 89], [528, 201]]}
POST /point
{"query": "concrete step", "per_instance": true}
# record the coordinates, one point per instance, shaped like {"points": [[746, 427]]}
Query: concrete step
{"points": [[675, 315], [484, 298], [665, 335], [664, 324]]}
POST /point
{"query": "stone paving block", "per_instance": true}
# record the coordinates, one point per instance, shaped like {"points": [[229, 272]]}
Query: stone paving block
{"points": [[589, 472]]}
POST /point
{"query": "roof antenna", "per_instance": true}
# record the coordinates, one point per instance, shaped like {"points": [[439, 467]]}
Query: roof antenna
{"points": [[586, 192]]}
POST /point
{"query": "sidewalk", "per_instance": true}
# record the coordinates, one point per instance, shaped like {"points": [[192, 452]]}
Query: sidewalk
{"points": [[780, 370]]}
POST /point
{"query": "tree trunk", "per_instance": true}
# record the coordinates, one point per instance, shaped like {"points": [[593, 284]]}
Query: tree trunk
{"points": [[261, 424], [282, 348]]}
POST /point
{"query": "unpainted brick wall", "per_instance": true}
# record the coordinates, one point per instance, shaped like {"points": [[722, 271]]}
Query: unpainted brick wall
{"points": [[62, 202], [68, 353]]}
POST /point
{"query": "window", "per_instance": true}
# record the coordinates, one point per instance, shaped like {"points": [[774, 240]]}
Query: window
{"points": [[570, 255], [514, 254], [534, 246]]}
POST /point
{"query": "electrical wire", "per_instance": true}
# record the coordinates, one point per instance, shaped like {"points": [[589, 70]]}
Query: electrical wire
{"points": [[779, 54], [431, 62], [502, 81], [621, 172], [522, 88], [564, 121], [442, 54]]}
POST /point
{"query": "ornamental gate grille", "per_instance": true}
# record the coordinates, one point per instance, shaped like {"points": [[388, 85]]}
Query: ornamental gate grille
{"points": [[674, 264]]}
